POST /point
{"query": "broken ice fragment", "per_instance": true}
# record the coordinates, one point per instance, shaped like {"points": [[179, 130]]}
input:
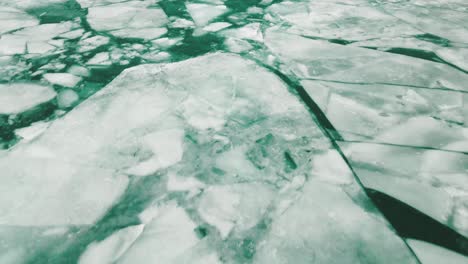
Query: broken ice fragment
{"points": [[432, 254], [62, 79], [165, 43], [181, 23], [167, 148], [146, 33], [237, 45], [34, 130], [112, 248], [179, 183], [12, 45], [235, 207], [12, 19], [16, 98], [67, 98], [78, 70], [156, 56], [131, 19], [251, 32], [100, 59], [92, 43], [74, 34], [166, 237], [213, 27], [204, 13]]}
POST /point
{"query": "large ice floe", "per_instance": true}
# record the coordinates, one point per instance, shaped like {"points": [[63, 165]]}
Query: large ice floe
{"points": [[129, 19], [235, 135]]}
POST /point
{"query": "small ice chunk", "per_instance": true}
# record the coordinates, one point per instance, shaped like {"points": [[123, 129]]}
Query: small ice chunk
{"points": [[138, 47], [53, 231], [165, 43], [100, 59], [44, 32], [62, 79], [167, 147], [235, 160], [181, 23], [32, 131], [74, 34], [217, 26], [12, 45], [145, 33], [237, 45], [39, 47], [79, 71], [204, 13], [156, 56], [128, 20], [251, 31], [92, 43], [179, 184], [33, 4], [67, 98], [169, 235], [16, 98], [265, 2], [254, 10]]}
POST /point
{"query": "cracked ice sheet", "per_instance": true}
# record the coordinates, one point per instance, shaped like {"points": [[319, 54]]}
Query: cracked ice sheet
{"points": [[131, 19], [326, 19], [382, 24], [16, 98], [432, 181], [202, 14], [430, 18], [316, 59], [30, 4], [249, 133], [12, 19], [34, 39], [394, 114]]}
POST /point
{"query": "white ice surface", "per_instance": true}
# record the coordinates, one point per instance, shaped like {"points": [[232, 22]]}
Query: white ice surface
{"points": [[16, 98]]}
